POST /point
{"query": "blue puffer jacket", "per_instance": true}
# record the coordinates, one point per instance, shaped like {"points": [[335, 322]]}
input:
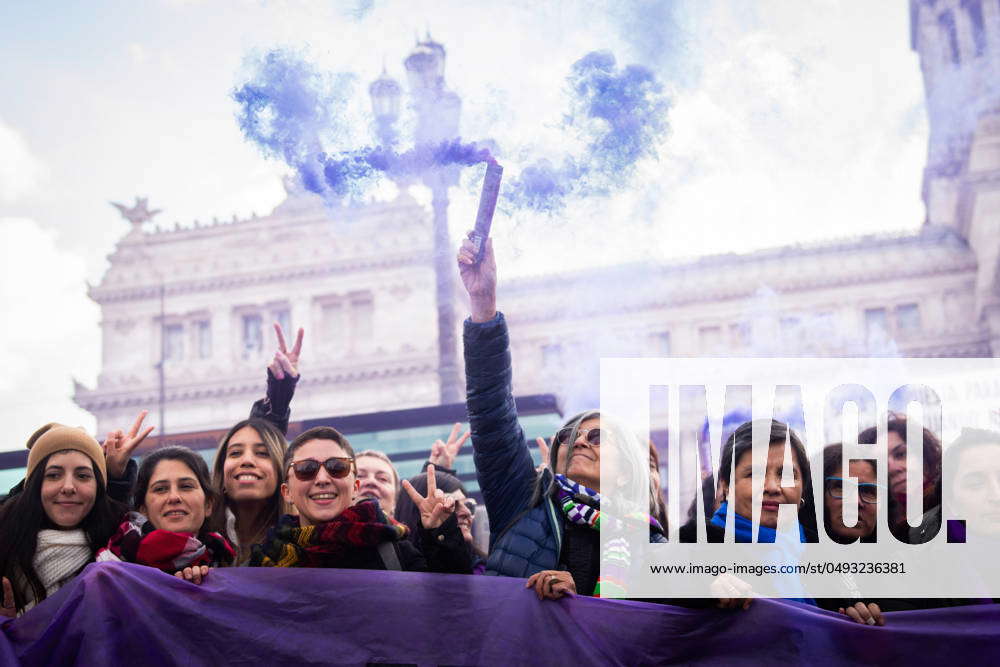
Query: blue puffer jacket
{"points": [[525, 526]]}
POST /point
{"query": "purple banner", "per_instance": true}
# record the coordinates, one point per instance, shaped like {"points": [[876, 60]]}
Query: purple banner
{"points": [[117, 613]]}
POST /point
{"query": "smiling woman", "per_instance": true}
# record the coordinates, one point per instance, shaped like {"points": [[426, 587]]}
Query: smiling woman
{"points": [[331, 530], [52, 529], [247, 470], [174, 527]]}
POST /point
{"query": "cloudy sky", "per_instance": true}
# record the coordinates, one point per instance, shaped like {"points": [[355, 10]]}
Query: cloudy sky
{"points": [[790, 121]]}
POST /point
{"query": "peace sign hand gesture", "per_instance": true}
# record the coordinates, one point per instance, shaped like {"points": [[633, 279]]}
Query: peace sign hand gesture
{"points": [[436, 507], [443, 453], [286, 361], [118, 446]]}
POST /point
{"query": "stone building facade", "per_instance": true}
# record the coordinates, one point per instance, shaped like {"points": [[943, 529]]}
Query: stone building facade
{"points": [[361, 281]]}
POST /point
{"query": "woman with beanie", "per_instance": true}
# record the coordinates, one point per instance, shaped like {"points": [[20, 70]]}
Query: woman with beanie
{"points": [[172, 528], [330, 530], [544, 524], [63, 515]]}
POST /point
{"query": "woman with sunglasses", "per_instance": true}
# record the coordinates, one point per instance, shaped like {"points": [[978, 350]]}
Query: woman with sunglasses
{"points": [[465, 511], [543, 523], [331, 530]]}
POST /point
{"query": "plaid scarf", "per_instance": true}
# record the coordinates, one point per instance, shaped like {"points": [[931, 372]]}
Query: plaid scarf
{"points": [[138, 542], [364, 525], [616, 556]]}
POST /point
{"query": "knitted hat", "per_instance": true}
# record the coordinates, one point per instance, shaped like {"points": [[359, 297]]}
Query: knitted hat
{"points": [[54, 437]]}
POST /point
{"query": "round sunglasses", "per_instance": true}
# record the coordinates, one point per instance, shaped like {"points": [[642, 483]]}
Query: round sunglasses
{"points": [[337, 467], [592, 436]]}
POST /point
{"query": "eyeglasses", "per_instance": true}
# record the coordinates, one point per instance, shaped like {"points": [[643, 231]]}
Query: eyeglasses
{"points": [[592, 436], [867, 492], [337, 467]]}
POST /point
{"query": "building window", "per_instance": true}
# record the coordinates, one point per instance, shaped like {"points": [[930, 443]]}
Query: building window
{"points": [[739, 335], [710, 339], [659, 343], [333, 324], [203, 338], [252, 336], [876, 325], [908, 318], [173, 342], [283, 317], [362, 318]]}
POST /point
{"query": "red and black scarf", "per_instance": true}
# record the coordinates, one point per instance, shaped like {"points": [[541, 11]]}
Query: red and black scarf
{"points": [[324, 545], [136, 541]]}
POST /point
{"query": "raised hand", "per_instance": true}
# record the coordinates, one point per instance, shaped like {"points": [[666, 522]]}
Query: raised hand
{"points": [[435, 507], [543, 449], [444, 453], [286, 361], [480, 279], [8, 608], [195, 574], [552, 584], [118, 446]]}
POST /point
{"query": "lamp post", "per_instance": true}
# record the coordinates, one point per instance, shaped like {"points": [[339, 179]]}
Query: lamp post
{"points": [[437, 110]]}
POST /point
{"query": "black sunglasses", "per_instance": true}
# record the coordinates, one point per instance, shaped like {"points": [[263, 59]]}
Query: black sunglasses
{"points": [[337, 467], [592, 436]]}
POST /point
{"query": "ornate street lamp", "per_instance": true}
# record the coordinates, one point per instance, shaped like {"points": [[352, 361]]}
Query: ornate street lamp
{"points": [[437, 110], [385, 93]]}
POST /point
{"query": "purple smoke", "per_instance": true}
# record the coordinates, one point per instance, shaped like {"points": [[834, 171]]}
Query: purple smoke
{"points": [[293, 112], [622, 113]]}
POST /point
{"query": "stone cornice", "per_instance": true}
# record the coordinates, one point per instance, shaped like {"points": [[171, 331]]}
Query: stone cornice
{"points": [[252, 387], [722, 278], [106, 295]]}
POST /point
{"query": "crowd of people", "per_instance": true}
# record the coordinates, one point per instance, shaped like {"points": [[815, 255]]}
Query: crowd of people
{"points": [[315, 502]]}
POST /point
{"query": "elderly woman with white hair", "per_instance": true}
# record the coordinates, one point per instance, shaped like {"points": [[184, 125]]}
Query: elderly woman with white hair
{"points": [[544, 523]]}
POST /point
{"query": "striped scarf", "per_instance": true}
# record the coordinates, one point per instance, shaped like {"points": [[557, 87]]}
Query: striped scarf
{"points": [[364, 525], [580, 505], [138, 542]]}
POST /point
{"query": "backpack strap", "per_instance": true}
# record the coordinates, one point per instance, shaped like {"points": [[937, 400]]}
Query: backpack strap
{"points": [[387, 552]]}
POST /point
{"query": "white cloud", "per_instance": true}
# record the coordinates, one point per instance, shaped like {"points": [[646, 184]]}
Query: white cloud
{"points": [[20, 171], [50, 332], [137, 53]]}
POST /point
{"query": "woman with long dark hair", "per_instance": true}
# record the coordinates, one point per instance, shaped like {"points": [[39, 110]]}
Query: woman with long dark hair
{"points": [[173, 527], [247, 469], [52, 529], [247, 477], [736, 472]]}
